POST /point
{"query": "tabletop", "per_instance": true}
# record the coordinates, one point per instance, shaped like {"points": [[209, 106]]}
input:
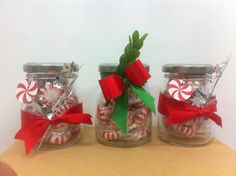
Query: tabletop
{"points": [[89, 157]]}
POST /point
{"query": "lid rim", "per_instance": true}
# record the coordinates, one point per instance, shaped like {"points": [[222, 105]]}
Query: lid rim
{"points": [[188, 68], [111, 67], [47, 67]]}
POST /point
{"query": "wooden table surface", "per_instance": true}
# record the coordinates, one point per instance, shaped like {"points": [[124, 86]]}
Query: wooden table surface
{"points": [[88, 157]]}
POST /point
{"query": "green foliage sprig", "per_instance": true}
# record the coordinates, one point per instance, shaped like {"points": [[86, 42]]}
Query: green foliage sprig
{"points": [[131, 52]]}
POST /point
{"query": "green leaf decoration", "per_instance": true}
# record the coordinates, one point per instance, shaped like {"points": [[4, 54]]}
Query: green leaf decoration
{"points": [[144, 37], [138, 45], [131, 52], [147, 98], [123, 61], [135, 36], [133, 56], [128, 49], [130, 40], [120, 112]]}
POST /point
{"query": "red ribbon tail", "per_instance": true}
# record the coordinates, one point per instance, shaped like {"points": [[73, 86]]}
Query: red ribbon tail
{"points": [[32, 133], [216, 118], [86, 119]]}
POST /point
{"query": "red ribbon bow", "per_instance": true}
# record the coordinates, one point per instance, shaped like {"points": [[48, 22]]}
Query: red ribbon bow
{"points": [[113, 86], [34, 126], [137, 74], [178, 112]]}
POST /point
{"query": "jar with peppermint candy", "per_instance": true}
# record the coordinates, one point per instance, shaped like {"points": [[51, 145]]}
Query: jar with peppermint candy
{"points": [[137, 120], [187, 106], [123, 115], [51, 112]]}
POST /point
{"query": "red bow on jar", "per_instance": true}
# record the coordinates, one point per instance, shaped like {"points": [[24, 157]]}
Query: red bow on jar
{"points": [[113, 86], [34, 126], [179, 111]]}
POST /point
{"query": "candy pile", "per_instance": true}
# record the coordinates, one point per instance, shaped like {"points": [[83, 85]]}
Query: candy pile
{"points": [[138, 120], [194, 128], [194, 92], [41, 102]]}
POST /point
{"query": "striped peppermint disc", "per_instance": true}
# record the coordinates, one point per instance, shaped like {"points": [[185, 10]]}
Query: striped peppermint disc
{"points": [[26, 91], [185, 130], [49, 93], [179, 89], [112, 135]]}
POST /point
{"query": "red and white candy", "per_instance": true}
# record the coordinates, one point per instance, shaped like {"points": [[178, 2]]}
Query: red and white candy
{"points": [[104, 114], [179, 90], [26, 91], [112, 135], [138, 119], [58, 134], [49, 93], [75, 128], [141, 118], [71, 100], [185, 130], [143, 132], [67, 104], [57, 138]]}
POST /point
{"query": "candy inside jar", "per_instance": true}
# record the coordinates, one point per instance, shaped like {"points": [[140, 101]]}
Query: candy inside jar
{"points": [[52, 81], [139, 119], [186, 107]]}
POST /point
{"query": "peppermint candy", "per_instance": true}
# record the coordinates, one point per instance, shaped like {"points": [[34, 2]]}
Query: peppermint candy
{"points": [[185, 130], [141, 118], [49, 93], [26, 91], [57, 138], [112, 135], [179, 90], [67, 104], [143, 132]]}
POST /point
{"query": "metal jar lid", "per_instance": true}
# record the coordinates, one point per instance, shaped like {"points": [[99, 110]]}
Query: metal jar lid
{"points": [[47, 67], [111, 67], [188, 68]]}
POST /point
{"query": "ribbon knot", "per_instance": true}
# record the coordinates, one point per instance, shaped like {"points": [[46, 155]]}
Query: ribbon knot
{"points": [[51, 122]]}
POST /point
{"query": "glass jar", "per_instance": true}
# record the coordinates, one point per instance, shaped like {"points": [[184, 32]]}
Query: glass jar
{"points": [[52, 80], [195, 84], [139, 118]]}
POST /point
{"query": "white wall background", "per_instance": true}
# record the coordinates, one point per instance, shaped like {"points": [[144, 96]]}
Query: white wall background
{"points": [[92, 32]]}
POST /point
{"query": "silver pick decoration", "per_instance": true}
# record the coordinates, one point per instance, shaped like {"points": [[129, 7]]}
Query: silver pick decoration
{"points": [[59, 101], [219, 72]]}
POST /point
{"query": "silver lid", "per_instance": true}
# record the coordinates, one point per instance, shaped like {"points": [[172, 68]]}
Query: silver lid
{"points": [[47, 67], [111, 67], [188, 68]]}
